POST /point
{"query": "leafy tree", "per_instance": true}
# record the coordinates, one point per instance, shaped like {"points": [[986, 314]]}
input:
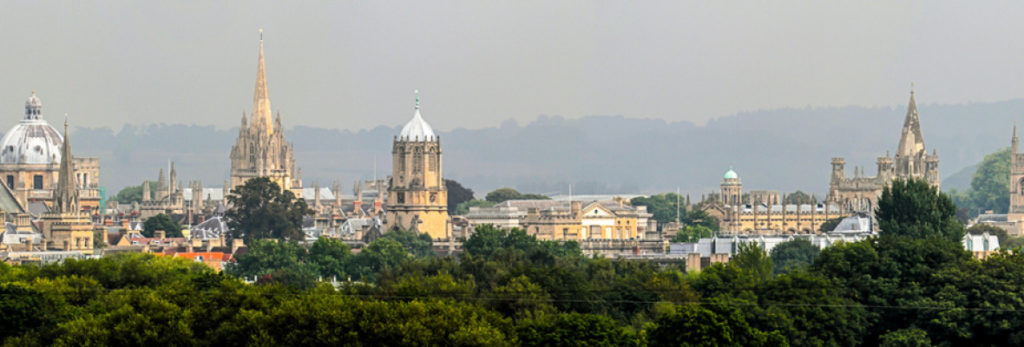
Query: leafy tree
{"points": [[380, 255], [457, 194], [331, 257], [909, 337], [271, 261], [693, 233], [798, 198], [463, 208], [982, 228], [914, 208], [132, 194], [575, 329], [662, 206], [261, 209], [753, 261], [830, 224], [990, 184], [420, 245], [699, 217], [814, 311], [504, 194], [794, 254], [161, 222], [711, 325]]}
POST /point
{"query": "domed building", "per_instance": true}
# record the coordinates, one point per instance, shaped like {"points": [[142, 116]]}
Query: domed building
{"points": [[417, 196], [30, 155]]}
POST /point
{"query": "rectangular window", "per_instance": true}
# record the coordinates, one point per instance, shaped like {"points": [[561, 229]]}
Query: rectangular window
{"points": [[37, 182], [10, 181]]}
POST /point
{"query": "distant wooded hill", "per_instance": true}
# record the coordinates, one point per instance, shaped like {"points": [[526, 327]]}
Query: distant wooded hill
{"points": [[786, 149]]}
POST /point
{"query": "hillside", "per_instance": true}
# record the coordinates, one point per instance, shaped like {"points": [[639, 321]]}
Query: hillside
{"points": [[784, 149]]}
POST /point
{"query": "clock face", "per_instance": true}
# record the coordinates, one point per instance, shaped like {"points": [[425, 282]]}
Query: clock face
{"points": [[433, 197]]}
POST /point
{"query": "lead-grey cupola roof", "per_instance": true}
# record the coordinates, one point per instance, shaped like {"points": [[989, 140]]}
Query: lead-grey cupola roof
{"points": [[32, 140], [417, 129]]}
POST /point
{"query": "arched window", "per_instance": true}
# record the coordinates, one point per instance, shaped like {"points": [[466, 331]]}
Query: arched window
{"points": [[417, 160]]}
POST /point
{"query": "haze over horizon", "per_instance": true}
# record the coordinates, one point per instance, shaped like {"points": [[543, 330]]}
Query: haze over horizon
{"points": [[354, 65]]}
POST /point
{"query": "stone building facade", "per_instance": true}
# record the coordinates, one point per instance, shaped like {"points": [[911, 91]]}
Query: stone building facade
{"points": [[860, 193], [261, 150], [762, 212], [417, 196], [30, 156]]}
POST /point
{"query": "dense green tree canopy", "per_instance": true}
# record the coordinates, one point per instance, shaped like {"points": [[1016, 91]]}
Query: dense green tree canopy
{"points": [[505, 194], [132, 194], [915, 208], [260, 209], [990, 186], [161, 222], [662, 206], [793, 255], [912, 285], [457, 194], [830, 224], [463, 208], [693, 233]]}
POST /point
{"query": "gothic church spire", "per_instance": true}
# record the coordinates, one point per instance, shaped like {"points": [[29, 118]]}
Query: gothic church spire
{"points": [[911, 141], [261, 114], [65, 198]]}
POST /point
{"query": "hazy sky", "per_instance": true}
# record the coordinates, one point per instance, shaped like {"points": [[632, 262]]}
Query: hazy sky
{"points": [[354, 64]]}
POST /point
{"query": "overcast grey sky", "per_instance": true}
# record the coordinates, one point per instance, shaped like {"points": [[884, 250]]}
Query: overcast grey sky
{"points": [[354, 64]]}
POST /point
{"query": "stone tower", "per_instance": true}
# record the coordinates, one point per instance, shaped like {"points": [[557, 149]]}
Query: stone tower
{"points": [[417, 197], [1016, 211], [65, 227], [261, 150], [732, 189], [860, 193], [912, 160], [65, 197]]}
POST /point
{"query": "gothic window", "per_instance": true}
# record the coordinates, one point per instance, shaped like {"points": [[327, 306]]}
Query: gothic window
{"points": [[433, 162], [401, 197], [37, 182], [401, 162], [417, 160]]}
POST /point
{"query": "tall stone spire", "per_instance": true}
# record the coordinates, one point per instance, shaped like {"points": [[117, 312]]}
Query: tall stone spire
{"points": [[911, 141], [65, 197], [1014, 141], [261, 114]]}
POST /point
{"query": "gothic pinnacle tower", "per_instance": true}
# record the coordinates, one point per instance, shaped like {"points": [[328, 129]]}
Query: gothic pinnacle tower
{"points": [[261, 112], [261, 150], [65, 197]]}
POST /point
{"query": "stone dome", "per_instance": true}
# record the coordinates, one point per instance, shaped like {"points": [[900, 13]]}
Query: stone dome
{"points": [[32, 140], [417, 129]]}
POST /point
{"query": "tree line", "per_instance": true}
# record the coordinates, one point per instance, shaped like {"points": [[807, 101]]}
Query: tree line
{"points": [[912, 285]]}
